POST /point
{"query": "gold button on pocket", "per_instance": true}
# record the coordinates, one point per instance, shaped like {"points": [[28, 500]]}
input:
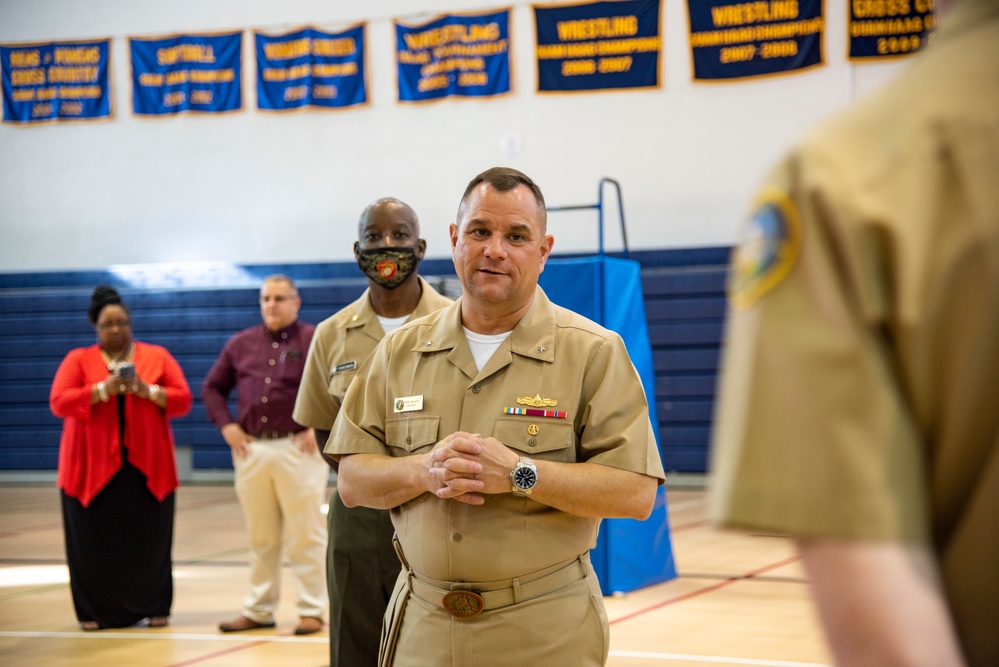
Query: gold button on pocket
{"points": [[554, 442]]}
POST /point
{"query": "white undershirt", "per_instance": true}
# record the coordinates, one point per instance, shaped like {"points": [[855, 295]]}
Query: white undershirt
{"points": [[390, 324], [483, 346]]}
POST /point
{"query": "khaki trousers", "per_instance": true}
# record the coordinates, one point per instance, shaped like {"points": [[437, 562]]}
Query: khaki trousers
{"points": [[282, 490], [566, 627]]}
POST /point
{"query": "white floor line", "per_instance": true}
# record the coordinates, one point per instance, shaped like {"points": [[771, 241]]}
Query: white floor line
{"points": [[171, 636], [721, 660], [245, 638]]}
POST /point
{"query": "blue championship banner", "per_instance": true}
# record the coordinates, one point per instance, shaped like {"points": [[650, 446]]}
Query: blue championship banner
{"points": [[889, 28], [467, 56], [735, 40], [200, 73], [309, 68], [55, 81], [598, 46]]}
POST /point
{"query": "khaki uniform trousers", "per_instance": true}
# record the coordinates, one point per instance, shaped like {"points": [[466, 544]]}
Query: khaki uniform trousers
{"points": [[282, 490], [556, 619]]}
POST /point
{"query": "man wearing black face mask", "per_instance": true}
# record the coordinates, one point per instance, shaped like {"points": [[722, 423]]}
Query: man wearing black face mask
{"points": [[362, 566]]}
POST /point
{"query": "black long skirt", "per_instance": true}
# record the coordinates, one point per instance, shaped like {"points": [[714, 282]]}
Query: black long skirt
{"points": [[119, 552]]}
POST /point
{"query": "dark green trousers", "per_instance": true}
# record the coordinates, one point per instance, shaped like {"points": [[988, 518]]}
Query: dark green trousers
{"points": [[361, 571]]}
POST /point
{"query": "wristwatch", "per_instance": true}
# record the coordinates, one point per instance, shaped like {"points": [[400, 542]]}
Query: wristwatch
{"points": [[524, 477]]}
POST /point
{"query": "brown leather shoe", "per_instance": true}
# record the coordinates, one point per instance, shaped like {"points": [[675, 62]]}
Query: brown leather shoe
{"points": [[158, 621], [309, 624], [243, 623]]}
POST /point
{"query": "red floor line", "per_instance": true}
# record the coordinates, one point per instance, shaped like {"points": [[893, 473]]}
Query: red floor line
{"points": [[707, 589], [687, 526], [217, 654]]}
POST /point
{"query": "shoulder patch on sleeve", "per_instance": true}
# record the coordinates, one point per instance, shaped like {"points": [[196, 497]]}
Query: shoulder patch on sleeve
{"points": [[768, 247]]}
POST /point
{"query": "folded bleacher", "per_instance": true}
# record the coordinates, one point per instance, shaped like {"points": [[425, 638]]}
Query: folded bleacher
{"points": [[43, 316]]}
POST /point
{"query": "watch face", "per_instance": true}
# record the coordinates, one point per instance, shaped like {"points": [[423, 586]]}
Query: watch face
{"points": [[525, 478]]}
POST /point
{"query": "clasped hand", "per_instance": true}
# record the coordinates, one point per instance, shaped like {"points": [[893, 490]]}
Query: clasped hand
{"points": [[465, 466]]}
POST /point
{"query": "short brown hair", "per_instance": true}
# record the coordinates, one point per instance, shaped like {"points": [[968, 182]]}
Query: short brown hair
{"points": [[505, 179]]}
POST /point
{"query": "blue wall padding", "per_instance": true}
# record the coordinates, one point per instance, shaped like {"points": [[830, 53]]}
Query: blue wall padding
{"points": [[629, 554]]}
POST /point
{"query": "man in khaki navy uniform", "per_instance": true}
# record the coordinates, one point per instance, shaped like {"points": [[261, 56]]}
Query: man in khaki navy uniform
{"points": [[499, 431], [361, 564], [859, 407]]}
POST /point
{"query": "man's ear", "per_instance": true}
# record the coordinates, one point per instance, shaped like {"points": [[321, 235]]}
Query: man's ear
{"points": [[546, 249]]}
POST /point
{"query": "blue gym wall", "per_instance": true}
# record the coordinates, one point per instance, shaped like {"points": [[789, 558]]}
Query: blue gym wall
{"points": [[43, 316]]}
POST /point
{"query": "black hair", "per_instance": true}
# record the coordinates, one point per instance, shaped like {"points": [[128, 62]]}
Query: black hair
{"points": [[103, 295]]}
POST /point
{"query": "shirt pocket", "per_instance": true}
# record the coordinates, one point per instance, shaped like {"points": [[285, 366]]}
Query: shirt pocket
{"points": [[339, 382], [538, 438], [291, 364], [412, 433]]}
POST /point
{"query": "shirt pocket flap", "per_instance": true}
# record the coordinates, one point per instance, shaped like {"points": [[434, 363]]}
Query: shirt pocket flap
{"points": [[537, 436], [411, 433]]}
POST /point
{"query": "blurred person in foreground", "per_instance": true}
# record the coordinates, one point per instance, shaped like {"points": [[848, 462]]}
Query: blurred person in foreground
{"points": [[859, 404], [281, 479], [498, 431], [117, 471], [361, 563]]}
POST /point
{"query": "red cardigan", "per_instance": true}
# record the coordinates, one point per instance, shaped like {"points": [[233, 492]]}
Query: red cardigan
{"points": [[90, 449]]}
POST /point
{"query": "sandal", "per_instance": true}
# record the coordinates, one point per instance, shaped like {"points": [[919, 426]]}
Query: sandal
{"points": [[89, 626], [158, 621]]}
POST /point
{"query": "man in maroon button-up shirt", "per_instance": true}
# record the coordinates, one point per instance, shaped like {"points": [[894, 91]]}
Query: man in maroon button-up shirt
{"points": [[281, 479]]}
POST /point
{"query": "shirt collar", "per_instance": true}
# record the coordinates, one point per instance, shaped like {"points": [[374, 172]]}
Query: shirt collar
{"points": [[533, 336], [291, 330], [364, 314]]}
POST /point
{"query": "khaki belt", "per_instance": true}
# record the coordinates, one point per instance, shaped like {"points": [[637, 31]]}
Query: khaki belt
{"points": [[464, 601]]}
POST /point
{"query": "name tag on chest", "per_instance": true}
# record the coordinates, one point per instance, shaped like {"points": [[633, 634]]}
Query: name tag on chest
{"points": [[349, 366], [408, 404]]}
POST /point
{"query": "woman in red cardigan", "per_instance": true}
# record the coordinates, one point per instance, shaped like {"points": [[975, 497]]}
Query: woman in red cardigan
{"points": [[117, 471]]}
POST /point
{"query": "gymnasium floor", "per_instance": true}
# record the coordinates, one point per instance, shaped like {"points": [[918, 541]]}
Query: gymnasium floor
{"points": [[738, 600]]}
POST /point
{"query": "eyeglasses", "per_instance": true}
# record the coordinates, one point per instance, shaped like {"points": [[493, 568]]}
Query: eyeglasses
{"points": [[278, 299], [118, 324]]}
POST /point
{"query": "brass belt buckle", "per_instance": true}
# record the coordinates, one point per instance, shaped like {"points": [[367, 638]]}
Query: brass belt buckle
{"points": [[463, 604]]}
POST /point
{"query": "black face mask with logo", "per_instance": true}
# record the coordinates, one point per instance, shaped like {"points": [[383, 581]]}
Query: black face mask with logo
{"points": [[389, 267]]}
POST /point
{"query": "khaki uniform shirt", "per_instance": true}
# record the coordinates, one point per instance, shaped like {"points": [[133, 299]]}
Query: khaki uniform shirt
{"points": [[340, 345], [553, 354], [860, 394]]}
